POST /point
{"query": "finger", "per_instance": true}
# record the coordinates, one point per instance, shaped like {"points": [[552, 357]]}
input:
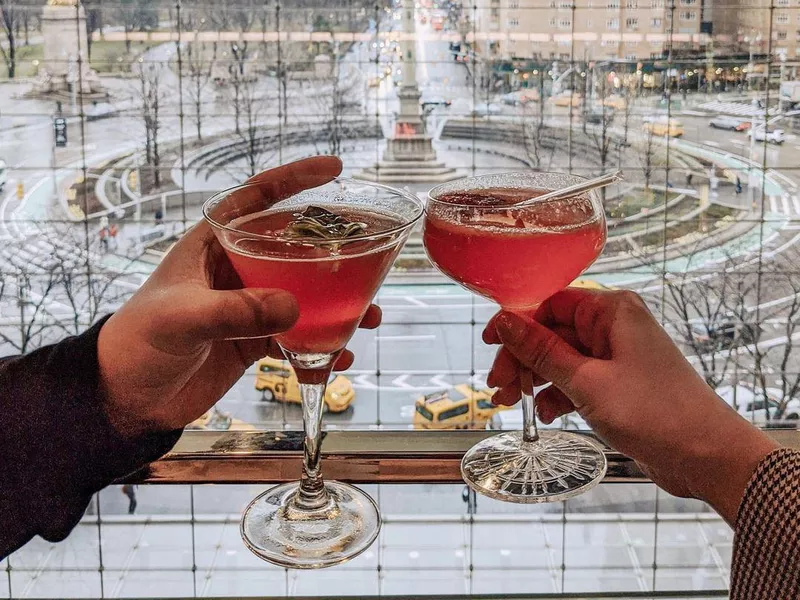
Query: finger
{"points": [[489, 335], [199, 316], [372, 318], [505, 369], [345, 361], [265, 189], [508, 395], [541, 350], [552, 403]]}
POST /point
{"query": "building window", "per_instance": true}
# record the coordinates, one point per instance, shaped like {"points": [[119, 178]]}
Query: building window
{"points": [[688, 2], [552, 22], [565, 5], [656, 3], [632, 23], [782, 3], [781, 35], [612, 4], [612, 24], [631, 4], [688, 15], [782, 18], [588, 23], [513, 4], [655, 22], [513, 22], [495, 13], [564, 23]]}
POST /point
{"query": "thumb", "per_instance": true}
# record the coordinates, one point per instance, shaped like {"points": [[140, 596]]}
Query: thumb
{"points": [[541, 350], [243, 313]]}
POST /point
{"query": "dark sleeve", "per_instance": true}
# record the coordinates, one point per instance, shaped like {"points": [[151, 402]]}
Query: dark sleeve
{"points": [[766, 549], [57, 447]]}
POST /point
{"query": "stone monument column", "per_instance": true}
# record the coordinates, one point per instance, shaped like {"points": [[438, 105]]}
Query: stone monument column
{"points": [[65, 48]]}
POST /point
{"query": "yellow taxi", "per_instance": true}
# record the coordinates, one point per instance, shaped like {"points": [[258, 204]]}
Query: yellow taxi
{"points": [[588, 284], [462, 407], [276, 381], [566, 98], [663, 126]]}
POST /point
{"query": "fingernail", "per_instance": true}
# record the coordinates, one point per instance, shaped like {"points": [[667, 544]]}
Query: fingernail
{"points": [[511, 328]]}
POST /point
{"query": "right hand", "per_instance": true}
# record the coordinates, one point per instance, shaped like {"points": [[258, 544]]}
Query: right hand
{"points": [[610, 360]]}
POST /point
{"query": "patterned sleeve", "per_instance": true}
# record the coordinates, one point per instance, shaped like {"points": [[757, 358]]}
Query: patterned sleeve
{"points": [[766, 552]]}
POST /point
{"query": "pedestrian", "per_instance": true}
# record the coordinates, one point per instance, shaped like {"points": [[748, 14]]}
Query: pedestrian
{"points": [[113, 230], [159, 216], [738, 185], [689, 177], [104, 238], [130, 491]]}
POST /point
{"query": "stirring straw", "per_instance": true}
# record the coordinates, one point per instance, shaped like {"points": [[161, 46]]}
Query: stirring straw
{"points": [[578, 188]]}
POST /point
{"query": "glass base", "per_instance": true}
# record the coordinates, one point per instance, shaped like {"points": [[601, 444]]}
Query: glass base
{"points": [[558, 466], [276, 530]]}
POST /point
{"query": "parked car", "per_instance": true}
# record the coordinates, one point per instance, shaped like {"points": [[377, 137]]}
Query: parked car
{"points": [[725, 335], [773, 136], [598, 114], [276, 381], [566, 98], [461, 407], [723, 122], [755, 407]]}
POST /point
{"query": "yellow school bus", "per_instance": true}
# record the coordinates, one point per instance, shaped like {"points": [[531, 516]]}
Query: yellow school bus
{"points": [[461, 407], [276, 381]]}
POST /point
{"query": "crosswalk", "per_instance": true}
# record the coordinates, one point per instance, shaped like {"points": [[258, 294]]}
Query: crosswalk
{"points": [[740, 109], [786, 204]]}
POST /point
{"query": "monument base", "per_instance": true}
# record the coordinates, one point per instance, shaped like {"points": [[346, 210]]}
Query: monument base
{"points": [[409, 159]]}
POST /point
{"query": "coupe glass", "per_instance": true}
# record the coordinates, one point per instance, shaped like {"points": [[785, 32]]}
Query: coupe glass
{"points": [[314, 524], [518, 257]]}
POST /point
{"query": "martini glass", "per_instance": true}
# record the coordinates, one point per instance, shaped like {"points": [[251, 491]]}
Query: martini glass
{"points": [[518, 257], [331, 247]]}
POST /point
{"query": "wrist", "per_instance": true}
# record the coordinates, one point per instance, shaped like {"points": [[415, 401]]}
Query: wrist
{"points": [[723, 462]]}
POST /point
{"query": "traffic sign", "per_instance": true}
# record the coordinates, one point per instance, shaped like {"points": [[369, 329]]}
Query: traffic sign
{"points": [[60, 128]]}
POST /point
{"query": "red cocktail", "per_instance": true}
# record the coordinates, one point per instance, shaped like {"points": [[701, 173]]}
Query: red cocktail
{"points": [[490, 235], [331, 247], [333, 283], [516, 257]]}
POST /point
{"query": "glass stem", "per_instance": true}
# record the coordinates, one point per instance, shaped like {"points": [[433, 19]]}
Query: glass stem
{"points": [[312, 494], [529, 431]]}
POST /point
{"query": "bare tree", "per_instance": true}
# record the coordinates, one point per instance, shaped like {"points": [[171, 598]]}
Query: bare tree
{"points": [[10, 16], [30, 291], [136, 15], [533, 135], [198, 66], [335, 99], [151, 93], [702, 310], [646, 154], [253, 146], [601, 133]]}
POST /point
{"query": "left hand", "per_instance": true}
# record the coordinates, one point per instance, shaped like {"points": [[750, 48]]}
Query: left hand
{"points": [[168, 354]]}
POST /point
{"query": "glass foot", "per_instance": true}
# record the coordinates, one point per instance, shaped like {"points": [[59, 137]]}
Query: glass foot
{"points": [[558, 466], [276, 530]]}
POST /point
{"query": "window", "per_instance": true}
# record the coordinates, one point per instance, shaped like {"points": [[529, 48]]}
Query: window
{"points": [[688, 2], [485, 404], [782, 18], [513, 4], [424, 412], [655, 22], [797, 35], [632, 23], [565, 5], [782, 35], [454, 412], [495, 13], [688, 15], [564, 23], [553, 22], [513, 22], [612, 4], [631, 4], [612, 24], [588, 23], [782, 3], [656, 3]]}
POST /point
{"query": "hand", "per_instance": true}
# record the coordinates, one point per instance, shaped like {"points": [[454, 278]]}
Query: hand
{"points": [[169, 353], [611, 361]]}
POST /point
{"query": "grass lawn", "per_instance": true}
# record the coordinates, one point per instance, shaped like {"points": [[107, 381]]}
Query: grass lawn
{"points": [[107, 57], [28, 59], [111, 57]]}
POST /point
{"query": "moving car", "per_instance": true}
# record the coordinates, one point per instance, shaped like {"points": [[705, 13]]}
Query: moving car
{"points": [[754, 407], [725, 335], [723, 122], [462, 407], [773, 136], [521, 97], [664, 126], [217, 420], [597, 115], [485, 110], [276, 381]]}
